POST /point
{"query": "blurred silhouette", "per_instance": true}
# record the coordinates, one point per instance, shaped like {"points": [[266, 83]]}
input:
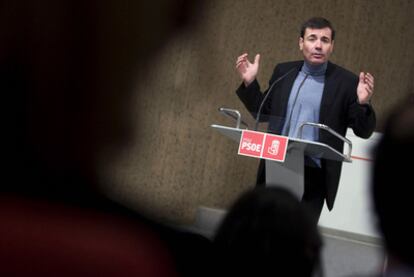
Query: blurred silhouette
{"points": [[68, 70], [267, 232], [392, 196]]}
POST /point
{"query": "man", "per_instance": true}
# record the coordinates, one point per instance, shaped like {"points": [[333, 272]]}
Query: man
{"points": [[391, 194], [312, 90]]}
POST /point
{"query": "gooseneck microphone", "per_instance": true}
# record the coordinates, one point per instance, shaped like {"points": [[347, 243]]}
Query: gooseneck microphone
{"points": [[288, 122], [267, 95]]}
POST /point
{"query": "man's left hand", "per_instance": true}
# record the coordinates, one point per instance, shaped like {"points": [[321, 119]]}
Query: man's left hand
{"points": [[365, 87]]}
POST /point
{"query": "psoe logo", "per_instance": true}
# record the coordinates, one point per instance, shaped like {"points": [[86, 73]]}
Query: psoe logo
{"points": [[274, 148], [251, 143], [248, 145]]}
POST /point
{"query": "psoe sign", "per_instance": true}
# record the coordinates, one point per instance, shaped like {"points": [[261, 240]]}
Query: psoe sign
{"points": [[262, 145]]}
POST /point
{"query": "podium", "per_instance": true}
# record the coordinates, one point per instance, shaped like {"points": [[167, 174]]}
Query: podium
{"points": [[290, 173]]}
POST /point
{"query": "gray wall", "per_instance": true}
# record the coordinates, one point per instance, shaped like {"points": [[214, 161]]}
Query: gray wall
{"points": [[178, 162]]}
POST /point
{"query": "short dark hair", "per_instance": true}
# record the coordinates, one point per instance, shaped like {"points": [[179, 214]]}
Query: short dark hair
{"points": [[268, 230], [317, 23]]}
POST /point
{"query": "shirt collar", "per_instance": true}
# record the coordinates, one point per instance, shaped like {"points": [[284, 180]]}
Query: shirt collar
{"points": [[314, 70]]}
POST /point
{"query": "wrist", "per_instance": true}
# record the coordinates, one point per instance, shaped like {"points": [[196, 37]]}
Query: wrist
{"points": [[247, 82], [367, 102]]}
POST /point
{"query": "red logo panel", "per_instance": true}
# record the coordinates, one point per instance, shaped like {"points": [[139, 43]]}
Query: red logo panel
{"points": [[251, 143], [262, 145], [275, 148]]}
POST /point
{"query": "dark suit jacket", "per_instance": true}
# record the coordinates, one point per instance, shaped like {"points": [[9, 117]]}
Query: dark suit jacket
{"points": [[339, 110]]}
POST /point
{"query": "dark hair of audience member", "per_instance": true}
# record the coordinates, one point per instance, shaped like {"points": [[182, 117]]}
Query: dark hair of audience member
{"points": [[392, 182], [267, 232], [68, 76]]}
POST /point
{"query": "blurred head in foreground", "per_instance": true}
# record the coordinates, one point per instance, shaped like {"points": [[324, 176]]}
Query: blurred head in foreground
{"points": [[68, 71], [391, 184], [267, 232]]}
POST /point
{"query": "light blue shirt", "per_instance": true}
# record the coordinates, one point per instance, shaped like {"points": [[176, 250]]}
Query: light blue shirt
{"points": [[305, 102]]}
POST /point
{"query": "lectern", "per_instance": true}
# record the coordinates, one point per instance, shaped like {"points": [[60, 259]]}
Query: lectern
{"points": [[290, 173]]}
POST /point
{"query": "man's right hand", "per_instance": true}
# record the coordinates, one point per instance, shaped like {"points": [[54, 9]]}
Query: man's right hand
{"points": [[247, 70]]}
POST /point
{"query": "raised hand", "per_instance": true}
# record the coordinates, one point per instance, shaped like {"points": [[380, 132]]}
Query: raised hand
{"points": [[365, 87], [247, 70]]}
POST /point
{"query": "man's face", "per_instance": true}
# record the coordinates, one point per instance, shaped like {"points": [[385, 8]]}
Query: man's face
{"points": [[316, 45]]}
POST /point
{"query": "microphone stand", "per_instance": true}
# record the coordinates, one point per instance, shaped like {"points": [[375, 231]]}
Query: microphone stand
{"points": [[267, 95]]}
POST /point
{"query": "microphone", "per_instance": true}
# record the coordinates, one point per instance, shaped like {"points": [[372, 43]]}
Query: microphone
{"points": [[288, 122], [267, 95]]}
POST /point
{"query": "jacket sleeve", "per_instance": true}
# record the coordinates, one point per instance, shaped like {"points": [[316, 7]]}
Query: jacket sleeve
{"points": [[252, 96], [361, 118]]}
